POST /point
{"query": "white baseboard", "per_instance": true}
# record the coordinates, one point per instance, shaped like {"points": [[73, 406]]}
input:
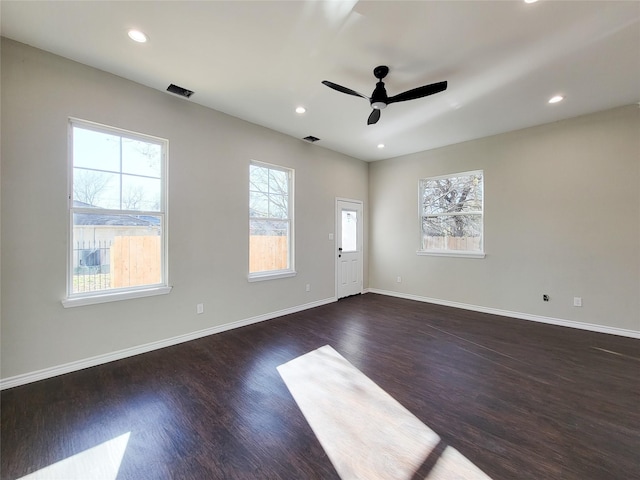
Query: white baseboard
{"points": [[506, 313], [30, 377]]}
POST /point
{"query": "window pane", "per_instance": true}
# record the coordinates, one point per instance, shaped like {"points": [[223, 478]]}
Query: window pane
{"points": [[141, 193], [349, 230], [96, 189], [115, 251], [277, 228], [278, 182], [258, 204], [459, 232], [268, 245], [278, 206], [141, 158], [452, 194], [258, 179], [96, 150]]}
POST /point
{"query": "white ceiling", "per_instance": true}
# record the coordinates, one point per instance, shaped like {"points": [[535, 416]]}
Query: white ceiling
{"points": [[259, 60]]}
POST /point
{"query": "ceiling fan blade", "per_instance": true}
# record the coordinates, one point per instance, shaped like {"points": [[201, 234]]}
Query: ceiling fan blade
{"points": [[342, 89], [374, 117], [418, 92]]}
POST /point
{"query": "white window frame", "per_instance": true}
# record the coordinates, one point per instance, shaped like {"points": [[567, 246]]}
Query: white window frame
{"points": [[282, 273], [444, 252], [114, 294]]}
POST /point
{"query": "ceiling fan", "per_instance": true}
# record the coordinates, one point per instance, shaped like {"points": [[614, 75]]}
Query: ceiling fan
{"points": [[379, 98]]}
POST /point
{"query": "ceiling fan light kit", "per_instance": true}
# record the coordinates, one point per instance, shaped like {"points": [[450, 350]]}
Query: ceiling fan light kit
{"points": [[379, 98]]}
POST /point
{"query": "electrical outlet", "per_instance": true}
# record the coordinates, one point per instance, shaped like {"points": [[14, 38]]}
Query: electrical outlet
{"points": [[545, 297], [308, 287], [399, 279], [577, 301], [200, 308]]}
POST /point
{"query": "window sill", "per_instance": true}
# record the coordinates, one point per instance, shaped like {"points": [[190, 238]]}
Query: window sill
{"points": [[114, 297], [258, 277], [452, 253]]}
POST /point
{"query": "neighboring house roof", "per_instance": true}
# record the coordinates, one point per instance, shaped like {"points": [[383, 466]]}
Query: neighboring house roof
{"points": [[149, 218], [110, 219]]}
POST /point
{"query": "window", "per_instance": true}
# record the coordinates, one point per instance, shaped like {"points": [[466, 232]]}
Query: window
{"points": [[270, 221], [451, 215], [117, 207], [349, 230]]}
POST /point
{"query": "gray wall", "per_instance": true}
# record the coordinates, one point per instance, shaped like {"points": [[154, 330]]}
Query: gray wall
{"points": [[209, 155], [562, 217]]}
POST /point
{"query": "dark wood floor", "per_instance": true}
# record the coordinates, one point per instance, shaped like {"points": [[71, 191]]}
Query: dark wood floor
{"points": [[521, 400]]}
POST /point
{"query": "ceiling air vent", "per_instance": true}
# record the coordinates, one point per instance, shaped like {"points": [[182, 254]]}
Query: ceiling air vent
{"points": [[311, 139], [183, 92]]}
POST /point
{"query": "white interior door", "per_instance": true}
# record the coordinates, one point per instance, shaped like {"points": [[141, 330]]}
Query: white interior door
{"points": [[349, 230]]}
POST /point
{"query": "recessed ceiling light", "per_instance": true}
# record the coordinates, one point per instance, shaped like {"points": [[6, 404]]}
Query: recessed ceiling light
{"points": [[381, 145], [556, 99], [530, 1], [137, 36], [301, 110]]}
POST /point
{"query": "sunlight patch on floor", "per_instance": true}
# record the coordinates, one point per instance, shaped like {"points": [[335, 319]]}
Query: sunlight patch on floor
{"points": [[101, 462], [365, 432]]}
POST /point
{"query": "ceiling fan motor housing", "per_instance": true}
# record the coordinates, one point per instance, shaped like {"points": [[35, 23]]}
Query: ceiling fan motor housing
{"points": [[379, 96]]}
